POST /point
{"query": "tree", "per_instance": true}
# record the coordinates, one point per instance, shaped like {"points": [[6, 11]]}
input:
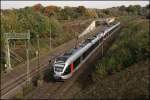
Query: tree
{"points": [[81, 10], [122, 8], [91, 13], [106, 11], [38, 8], [51, 10], [131, 9], [70, 12]]}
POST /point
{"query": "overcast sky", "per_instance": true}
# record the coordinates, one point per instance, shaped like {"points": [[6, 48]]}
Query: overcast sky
{"points": [[87, 4]]}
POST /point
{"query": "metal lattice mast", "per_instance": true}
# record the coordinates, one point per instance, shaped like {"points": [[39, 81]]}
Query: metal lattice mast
{"points": [[7, 52], [21, 36]]}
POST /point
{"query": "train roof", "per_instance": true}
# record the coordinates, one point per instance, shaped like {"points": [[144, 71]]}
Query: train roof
{"points": [[63, 58], [66, 55]]}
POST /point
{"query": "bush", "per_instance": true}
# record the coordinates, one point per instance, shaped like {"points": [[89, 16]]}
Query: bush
{"points": [[130, 47]]}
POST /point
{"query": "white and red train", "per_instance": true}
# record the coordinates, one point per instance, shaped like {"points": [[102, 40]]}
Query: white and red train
{"points": [[65, 65]]}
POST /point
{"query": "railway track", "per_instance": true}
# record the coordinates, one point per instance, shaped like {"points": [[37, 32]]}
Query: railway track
{"points": [[9, 88], [22, 79]]}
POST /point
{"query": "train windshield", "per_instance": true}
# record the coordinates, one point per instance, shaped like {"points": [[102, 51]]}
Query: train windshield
{"points": [[61, 59], [58, 69]]}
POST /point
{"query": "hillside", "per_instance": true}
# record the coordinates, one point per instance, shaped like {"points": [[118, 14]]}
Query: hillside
{"points": [[123, 72], [131, 83]]}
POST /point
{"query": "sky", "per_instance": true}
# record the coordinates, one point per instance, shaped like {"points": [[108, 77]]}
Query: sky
{"points": [[87, 4]]}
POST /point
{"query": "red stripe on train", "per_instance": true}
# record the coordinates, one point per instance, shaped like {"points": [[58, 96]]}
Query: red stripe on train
{"points": [[71, 67]]}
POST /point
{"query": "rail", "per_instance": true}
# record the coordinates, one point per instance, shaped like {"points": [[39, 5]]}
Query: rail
{"points": [[22, 79]]}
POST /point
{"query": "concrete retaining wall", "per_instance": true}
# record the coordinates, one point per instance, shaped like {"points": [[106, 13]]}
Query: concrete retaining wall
{"points": [[88, 29]]}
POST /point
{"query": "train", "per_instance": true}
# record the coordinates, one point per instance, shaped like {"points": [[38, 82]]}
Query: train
{"points": [[67, 64]]}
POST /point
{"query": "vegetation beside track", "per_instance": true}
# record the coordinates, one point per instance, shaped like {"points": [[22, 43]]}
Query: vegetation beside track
{"points": [[130, 49], [22, 20]]}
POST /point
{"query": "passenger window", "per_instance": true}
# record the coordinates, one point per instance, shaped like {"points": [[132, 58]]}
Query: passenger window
{"points": [[76, 63]]}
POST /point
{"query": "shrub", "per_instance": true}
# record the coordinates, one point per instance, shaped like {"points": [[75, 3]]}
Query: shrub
{"points": [[130, 47]]}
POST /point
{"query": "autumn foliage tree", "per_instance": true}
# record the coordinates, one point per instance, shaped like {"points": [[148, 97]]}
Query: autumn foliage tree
{"points": [[91, 14], [51, 10], [38, 8]]}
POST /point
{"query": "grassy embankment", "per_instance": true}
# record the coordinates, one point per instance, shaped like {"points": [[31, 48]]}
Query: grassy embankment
{"points": [[131, 48]]}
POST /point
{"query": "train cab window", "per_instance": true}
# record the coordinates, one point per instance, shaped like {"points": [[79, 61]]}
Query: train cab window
{"points": [[67, 70], [58, 69]]}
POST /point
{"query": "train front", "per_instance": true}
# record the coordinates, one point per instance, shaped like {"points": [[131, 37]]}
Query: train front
{"points": [[58, 67]]}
